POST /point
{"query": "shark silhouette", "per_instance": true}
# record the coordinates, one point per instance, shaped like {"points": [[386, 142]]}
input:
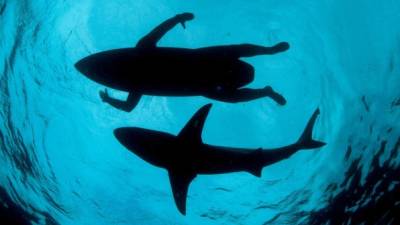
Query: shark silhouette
{"points": [[214, 72], [185, 156]]}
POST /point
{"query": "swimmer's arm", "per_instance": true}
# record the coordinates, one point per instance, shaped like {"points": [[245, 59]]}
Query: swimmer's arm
{"points": [[127, 105], [151, 39]]}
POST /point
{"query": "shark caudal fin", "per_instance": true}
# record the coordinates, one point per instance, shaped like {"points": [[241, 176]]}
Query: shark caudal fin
{"points": [[306, 141]]}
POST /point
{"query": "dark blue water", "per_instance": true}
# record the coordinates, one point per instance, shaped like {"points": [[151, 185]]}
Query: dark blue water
{"points": [[60, 163]]}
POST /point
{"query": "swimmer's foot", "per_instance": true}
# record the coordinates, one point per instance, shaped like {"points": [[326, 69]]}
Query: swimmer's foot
{"points": [[278, 98], [281, 47]]}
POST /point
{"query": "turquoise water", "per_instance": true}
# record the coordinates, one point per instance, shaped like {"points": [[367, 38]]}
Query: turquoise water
{"points": [[344, 58]]}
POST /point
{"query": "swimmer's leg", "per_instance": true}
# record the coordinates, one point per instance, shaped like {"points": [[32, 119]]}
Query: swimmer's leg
{"points": [[246, 94], [245, 50]]}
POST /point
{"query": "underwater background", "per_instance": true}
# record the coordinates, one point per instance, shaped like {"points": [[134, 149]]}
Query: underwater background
{"points": [[59, 160]]}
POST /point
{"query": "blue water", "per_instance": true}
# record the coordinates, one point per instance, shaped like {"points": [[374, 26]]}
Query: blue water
{"points": [[60, 163]]}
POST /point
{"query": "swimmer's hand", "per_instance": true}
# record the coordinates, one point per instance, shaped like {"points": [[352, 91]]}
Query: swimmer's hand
{"points": [[183, 17], [104, 95]]}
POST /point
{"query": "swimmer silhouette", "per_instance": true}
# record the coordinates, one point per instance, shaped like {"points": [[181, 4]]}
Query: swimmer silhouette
{"points": [[214, 72], [185, 156]]}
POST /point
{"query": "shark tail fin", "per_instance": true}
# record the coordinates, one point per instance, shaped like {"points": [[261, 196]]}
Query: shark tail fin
{"points": [[306, 141]]}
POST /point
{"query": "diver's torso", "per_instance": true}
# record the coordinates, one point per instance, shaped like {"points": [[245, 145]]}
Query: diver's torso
{"points": [[170, 71]]}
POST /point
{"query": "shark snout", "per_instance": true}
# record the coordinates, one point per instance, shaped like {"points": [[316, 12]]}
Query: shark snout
{"points": [[121, 134], [131, 137], [81, 66], [137, 140]]}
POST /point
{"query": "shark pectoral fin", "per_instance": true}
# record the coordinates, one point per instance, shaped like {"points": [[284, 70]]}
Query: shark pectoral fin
{"points": [[193, 129], [180, 182]]}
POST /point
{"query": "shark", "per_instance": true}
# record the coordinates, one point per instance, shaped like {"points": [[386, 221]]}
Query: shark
{"points": [[185, 155]]}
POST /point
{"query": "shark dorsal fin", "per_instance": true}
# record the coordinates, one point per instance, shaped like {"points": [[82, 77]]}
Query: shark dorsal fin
{"points": [[193, 129]]}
